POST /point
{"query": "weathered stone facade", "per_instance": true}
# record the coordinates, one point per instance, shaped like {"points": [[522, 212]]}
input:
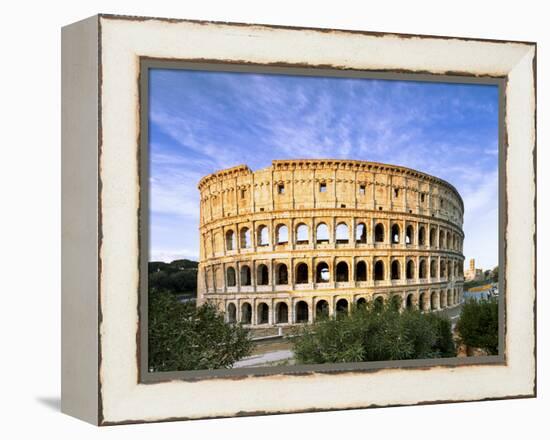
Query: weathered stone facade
{"points": [[283, 244]]}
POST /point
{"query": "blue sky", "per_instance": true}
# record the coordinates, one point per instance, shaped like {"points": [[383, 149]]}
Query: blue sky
{"points": [[201, 122]]}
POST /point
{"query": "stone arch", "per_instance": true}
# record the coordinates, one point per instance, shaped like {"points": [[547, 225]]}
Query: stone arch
{"points": [[342, 272], [449, 240], [231, 313], [378, 270], [433, 236], [263, 235], [361, 302], [442, 299], [342, 306], [321, 233], [302, 234], [449, 298], [322, 272], [281, 312], [395, 270], [342, 233], [302, 273], [361, 233], [282, 274], [231, 277], [410, 269], [262, 275], [361, 271], [442, 269], [395, 233], [441, 239], [434, 301], [245, 275], [246, 313], [379, 233], [433, 268], [302, 312], [395, 301], [422, 270], [246, 242], [423, 301], [321, 309], [409, 235], [409, 301], [378, 302], [263, 313], [421, 236], [281, 234], [230, 240]]}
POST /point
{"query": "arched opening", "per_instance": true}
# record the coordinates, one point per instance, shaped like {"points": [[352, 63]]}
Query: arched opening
{"points": [[302, 274], [361, 233], [410, 270], [302, 234], [321, 233], [379, 270], [449, 298], [422, 301], [442, 269], [321, 309], [282, 274], [245, 238], [378, 303], [433, 268], [263, 236], [379, 233], [245, 275], [441, 239], [395, 234], [230, 240], [231, 277], [434, 301], [409, 302], [432, 237], [281, 310], [361, 271], [421, 236], [342, 272], [246, 313], [395, 270], [342, 233], [361, 303], [422, 271], [323, 273], [263, 313], [231, 313], [302, 312], [262, 275], [409, 235], [442, 300], [395, 302], [448, 241], [282, 234], [342, 307]]}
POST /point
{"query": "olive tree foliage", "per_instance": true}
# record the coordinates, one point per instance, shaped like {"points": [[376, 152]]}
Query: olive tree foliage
{"points": [[478, 324], [375, 332], [185, 337]]}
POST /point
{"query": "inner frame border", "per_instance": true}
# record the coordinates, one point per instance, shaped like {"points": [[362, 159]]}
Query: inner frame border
{"points": [[147, 63]]}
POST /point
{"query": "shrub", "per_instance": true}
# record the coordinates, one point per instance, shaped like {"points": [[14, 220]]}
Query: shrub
{"points": [[185, 337], [478, 324], [375, 333]]}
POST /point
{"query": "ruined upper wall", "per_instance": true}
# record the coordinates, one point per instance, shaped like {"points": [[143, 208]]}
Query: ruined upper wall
{"points": [[325, 183]]}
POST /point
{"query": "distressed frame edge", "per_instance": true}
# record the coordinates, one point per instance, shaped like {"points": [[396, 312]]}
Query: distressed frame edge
{"points": [[80, 309]]}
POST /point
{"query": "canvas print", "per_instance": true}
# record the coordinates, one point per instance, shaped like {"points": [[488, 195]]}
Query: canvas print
{"points": [[309, 220]]}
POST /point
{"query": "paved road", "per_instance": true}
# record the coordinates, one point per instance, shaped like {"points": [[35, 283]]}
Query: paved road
{"points": [[272, 356]]}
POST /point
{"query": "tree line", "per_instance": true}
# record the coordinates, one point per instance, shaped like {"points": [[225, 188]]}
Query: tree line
{"points": [[178, 277]]}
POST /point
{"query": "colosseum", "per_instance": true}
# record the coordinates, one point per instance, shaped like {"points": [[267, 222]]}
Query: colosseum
{"points": [[304, 238]]}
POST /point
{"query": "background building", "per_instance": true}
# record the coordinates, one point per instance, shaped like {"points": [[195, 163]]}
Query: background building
{"points": [[301, 238], [472, 274]]}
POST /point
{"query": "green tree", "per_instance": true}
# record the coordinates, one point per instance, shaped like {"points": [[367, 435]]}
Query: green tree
{"points": [[494, 274], [375, 333], [185, 337], [478, 324]]}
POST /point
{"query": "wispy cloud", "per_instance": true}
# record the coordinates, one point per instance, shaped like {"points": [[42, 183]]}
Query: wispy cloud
{"points": [[204, 121]]}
